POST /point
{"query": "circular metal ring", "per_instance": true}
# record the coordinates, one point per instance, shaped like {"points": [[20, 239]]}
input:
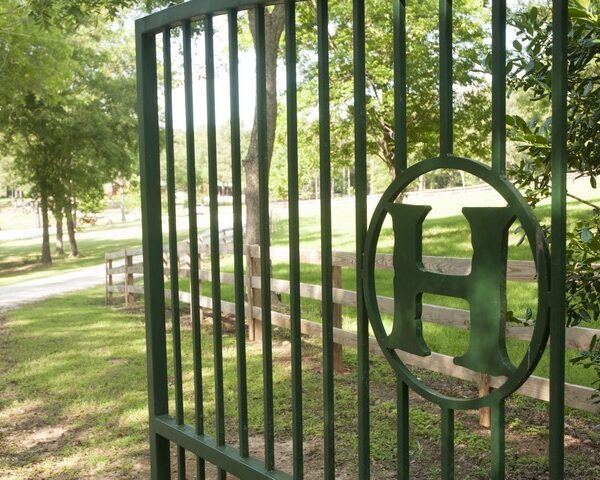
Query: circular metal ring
{"points": [[539, 249]]}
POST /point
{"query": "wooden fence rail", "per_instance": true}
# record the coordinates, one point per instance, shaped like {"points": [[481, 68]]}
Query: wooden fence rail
{"points": [[577, 396]]}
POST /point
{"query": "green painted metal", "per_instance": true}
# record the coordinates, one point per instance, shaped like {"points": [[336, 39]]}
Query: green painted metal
{"points": [[193, 238], [173, 251], [402, 437], [446, 97], [294, 234], [238, 234], [203, 446], [498, 440], [360, 176], [484, 288], [560, 29], [540, 253], [215, 258], [326, 249], [265, 235], [156, 348], [499, 86], [447, 443], [401, 144], [177, 15]]}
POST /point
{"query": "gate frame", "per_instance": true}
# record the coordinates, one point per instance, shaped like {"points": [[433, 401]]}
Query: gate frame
{"points": [[163, 428]]}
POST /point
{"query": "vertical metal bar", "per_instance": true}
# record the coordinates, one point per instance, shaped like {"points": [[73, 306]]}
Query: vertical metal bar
{"points": [[360, 175], [403, 461], [294, 233], [238, 235], [215, 260], [154, 298], [446, 79], [499, 86], [559, 236], [498, 441], [400, 164], [326, 250], [400, 133], [265, 262], [173, 253], [193, 235], [447, 443]]}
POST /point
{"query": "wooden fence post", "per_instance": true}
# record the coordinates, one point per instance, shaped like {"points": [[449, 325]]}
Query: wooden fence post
{"points": [[249, 294], [129, 295], [254, 300], [108, 280], [201, 314], [485, 414], [338, 364]]}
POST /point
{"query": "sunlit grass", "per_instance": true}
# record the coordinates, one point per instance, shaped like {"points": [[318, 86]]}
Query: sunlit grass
{"points": [[76, 369]]}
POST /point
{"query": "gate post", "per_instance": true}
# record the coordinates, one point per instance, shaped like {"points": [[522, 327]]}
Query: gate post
{"points": [[336, 276], [109, 280], [200, 248], [485, 413], [254, 299], [154, 288], [129, 295]]}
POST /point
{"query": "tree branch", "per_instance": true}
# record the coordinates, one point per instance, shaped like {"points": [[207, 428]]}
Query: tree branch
{"points": [[585, 202]]}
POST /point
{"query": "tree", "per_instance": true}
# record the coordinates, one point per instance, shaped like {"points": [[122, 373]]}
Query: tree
{"points": [[79, 12], [35, 66], [531, 65], [472, 97], [73, 129], [274, 23]]}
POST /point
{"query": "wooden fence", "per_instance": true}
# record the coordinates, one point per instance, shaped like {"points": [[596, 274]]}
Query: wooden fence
{"points": [[579, 338]]}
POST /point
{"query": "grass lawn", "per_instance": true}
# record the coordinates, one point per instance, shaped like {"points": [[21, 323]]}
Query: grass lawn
{"points": [[445, 236], [19, 259], [73, 403]]}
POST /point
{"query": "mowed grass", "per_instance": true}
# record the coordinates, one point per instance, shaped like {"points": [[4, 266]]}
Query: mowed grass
{"points": [[445, 236], [73, 403], [442, 236], [20, 259]]}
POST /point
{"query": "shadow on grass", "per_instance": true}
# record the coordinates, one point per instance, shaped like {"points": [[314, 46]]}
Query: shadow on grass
{"points": [[74, 402]]}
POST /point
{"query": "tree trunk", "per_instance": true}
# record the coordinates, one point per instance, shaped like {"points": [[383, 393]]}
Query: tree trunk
{"points": [[123, 219], [46, 255], [59, 246], [71, 231], [274, 23]]}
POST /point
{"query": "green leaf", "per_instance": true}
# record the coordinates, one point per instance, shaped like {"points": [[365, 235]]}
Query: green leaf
{"points": [[586, 235]]}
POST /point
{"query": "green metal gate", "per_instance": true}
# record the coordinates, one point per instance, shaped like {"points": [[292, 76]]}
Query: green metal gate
{"points": [[484, 288]]}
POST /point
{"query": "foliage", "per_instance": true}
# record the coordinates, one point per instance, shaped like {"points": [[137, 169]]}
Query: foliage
{"points": [[583, 278], [591, 359], [471, 97], [67, 110], [70, 15], [531, 68]]}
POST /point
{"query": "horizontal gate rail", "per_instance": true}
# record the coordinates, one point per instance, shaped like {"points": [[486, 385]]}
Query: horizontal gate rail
{"points": [[193, 10], [207, 448]]}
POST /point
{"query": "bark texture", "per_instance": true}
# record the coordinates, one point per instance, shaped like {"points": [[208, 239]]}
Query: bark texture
{"points": [[71, 232], [46, 255], [274, 25], [59, 248]]}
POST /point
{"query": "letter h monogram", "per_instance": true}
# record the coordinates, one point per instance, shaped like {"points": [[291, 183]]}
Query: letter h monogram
{"points": [[484, 288]]}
